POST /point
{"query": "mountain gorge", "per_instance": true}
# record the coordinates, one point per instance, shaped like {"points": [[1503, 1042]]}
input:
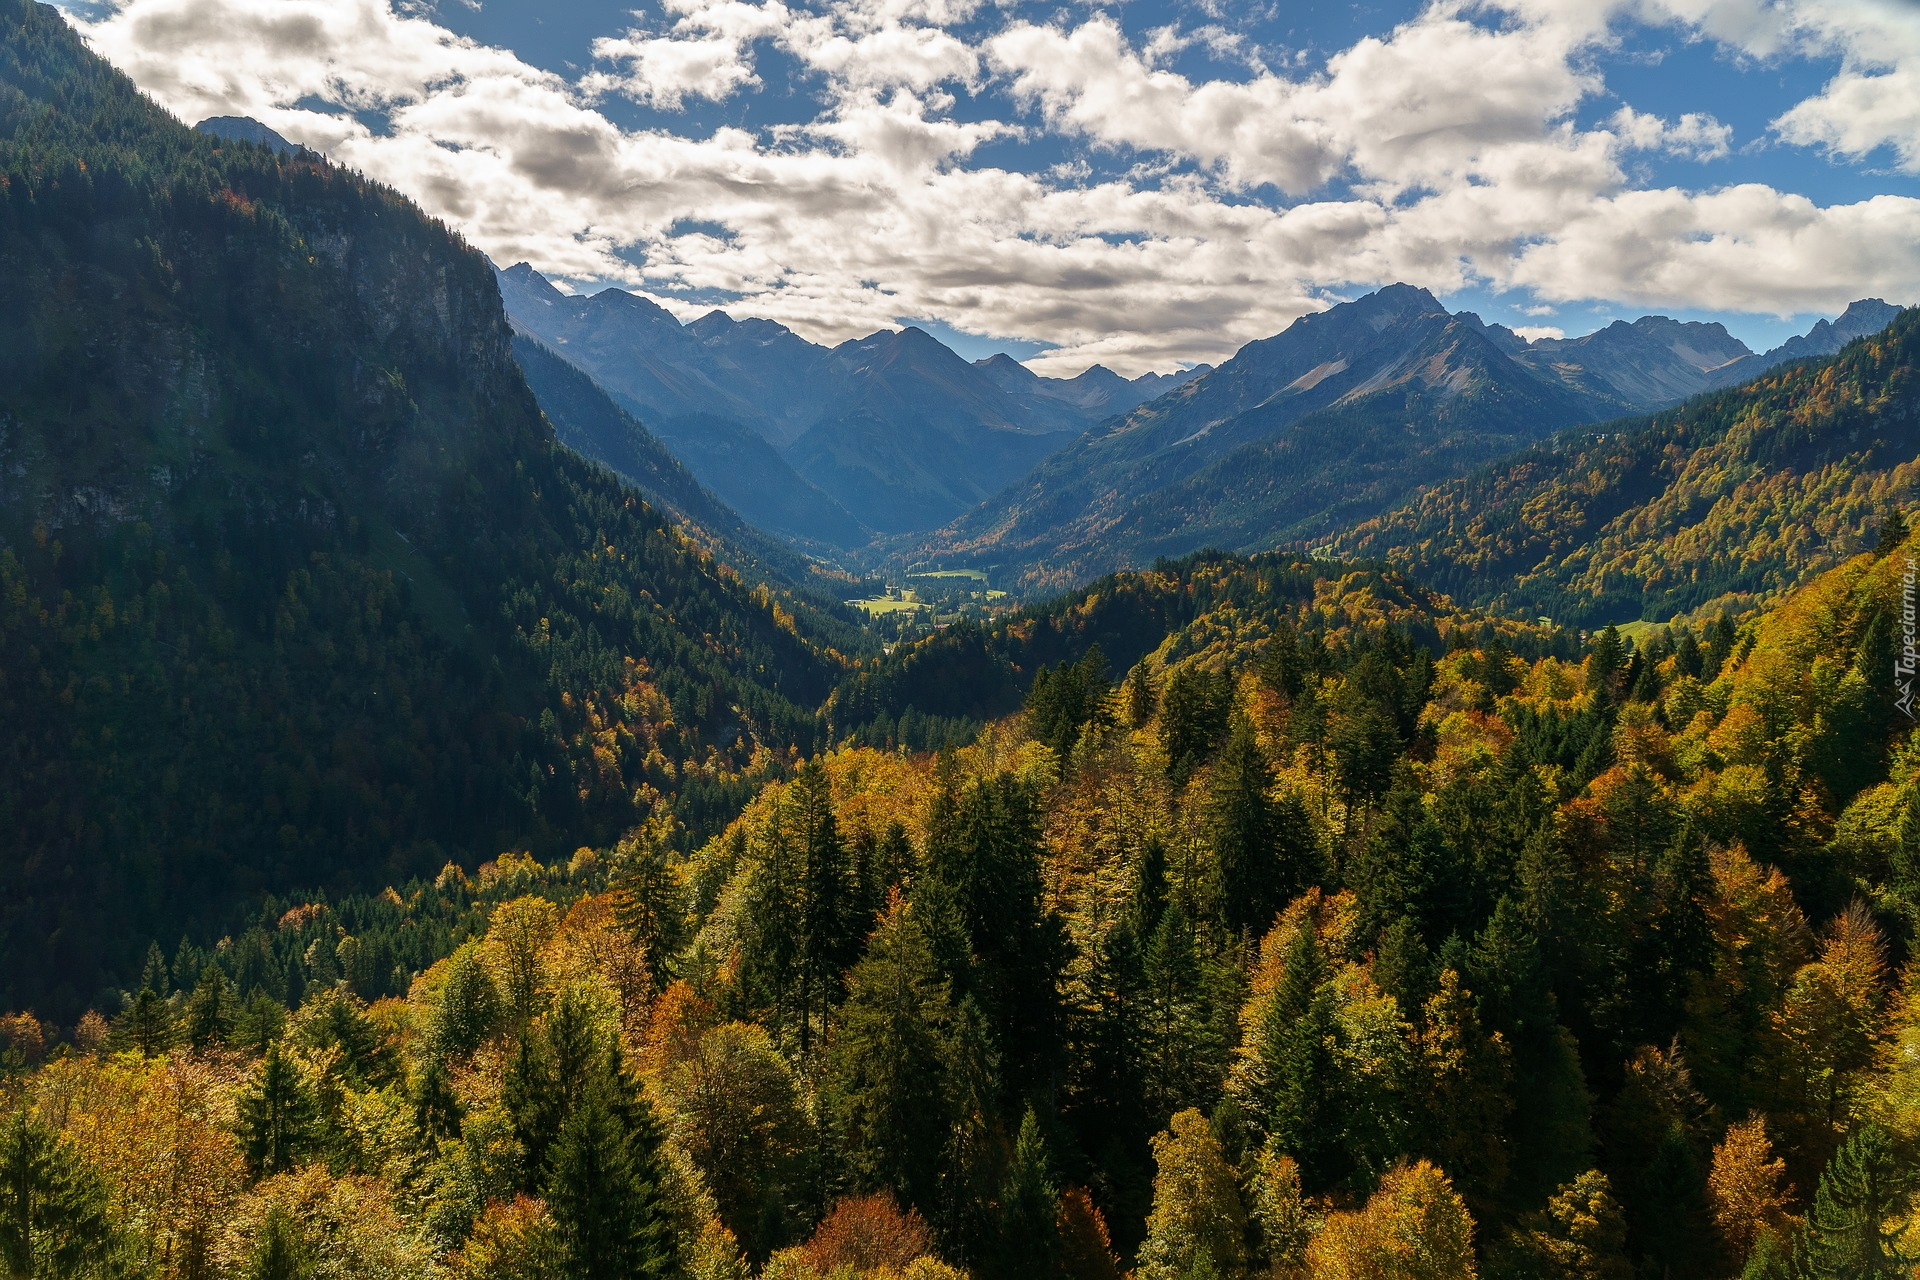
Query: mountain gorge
{"points": [[883, 434]]}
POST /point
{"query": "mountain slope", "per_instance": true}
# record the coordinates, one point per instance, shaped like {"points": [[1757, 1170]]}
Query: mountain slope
{"points": [[296, 585], [588, 421], [1366, 401], [1738, 494], [894, 427]]}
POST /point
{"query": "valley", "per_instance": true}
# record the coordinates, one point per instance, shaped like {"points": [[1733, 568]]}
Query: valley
{"points": [[502, 782]]}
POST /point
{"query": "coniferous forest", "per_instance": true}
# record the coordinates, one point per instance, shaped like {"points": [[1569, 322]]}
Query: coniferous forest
{"points": [[421, 857]]}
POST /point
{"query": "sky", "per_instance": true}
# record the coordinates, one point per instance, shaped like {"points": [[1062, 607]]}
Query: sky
{"points": [[1145, 184]]}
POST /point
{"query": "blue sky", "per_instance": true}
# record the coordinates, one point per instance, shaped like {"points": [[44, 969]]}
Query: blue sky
{"points": [[1145, 184]]}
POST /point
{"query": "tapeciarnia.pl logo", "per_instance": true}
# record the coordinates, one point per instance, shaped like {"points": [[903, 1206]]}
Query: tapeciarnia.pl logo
{"points": [[1909, 659]]}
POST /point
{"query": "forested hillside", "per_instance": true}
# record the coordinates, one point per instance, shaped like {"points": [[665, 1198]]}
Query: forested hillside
{"points": [[1324, 945], [296, 586], [1726, 500]]}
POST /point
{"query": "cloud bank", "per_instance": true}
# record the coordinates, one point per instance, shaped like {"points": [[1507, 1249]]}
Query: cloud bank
{"points": [[1447, 152]]}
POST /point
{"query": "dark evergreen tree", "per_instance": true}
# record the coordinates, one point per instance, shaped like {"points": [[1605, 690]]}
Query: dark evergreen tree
{"points": [[1194, 710], [436, 1108], [986, 853], [603, 1184], [53, 1210], [147, 1025], [1860, 1212], [1606, 665], [887, 1096], [1893, 533], [1028, 1243], [278, 1251], [1250, 882], [208, 1020], [552, 1064], [278, 1119], [1292, 1093], [469, 1009], [649, 901]]}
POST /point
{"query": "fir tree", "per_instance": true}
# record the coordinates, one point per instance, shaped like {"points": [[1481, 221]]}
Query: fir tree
{"points": [[1893, 533], [469, 1009]]}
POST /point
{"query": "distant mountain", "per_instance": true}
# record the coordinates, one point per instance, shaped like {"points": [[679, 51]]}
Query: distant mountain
{"points": [[1329, 422], [244, 129], [298, 590], [1343, 415], [1098, 391], [1634, 368], [1732, 497], [894, 430], [1869, 315]]}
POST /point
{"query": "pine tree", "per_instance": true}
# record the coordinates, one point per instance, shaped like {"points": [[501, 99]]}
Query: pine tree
{"points": [[278, 1118], [53, 1209], [1860, 1212]]}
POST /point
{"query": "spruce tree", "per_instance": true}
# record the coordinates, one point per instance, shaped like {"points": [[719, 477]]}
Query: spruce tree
{"points": [[470, 1008], [209, 1017], [887, 1096], [1028, 1196], [53, 1209], [147, 1025], [436, 1108], [830, 928], [1860, 1212], [278, 1118], [1291, 1094], [604, 1185], [1249, 887], [1893, 533]]}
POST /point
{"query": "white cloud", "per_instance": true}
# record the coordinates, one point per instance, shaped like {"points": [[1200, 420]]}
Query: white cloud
{"points": [[1444, 152], [1698, 136]]}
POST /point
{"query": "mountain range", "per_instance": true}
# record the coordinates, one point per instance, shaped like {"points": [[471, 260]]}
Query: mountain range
{"points": [[1329, 423], [885, 434], [1723, 502]]}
